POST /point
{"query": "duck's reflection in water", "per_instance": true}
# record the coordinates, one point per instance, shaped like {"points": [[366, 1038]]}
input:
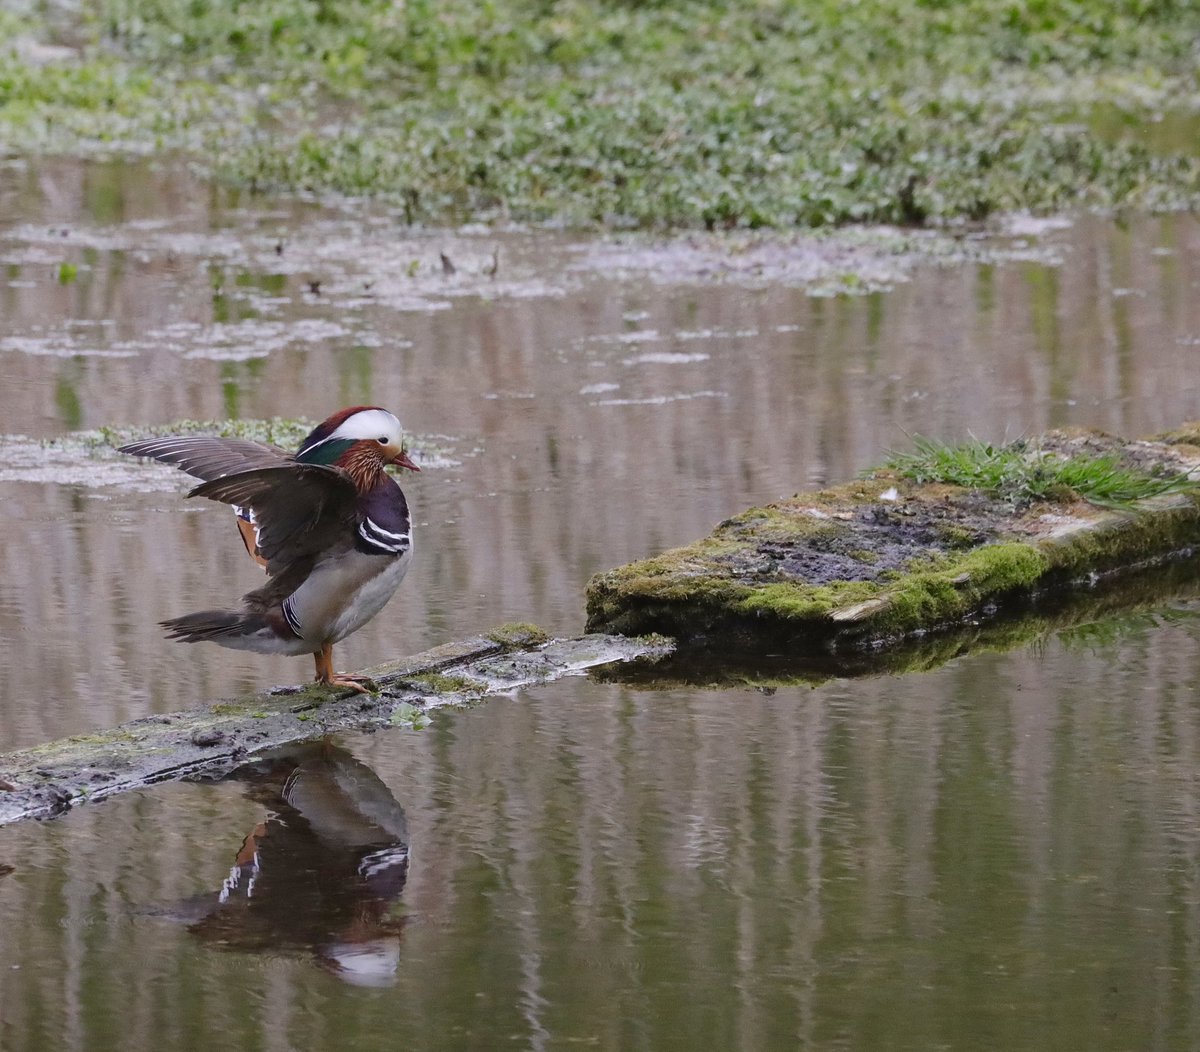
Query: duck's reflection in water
{"points": [[321, 873]]}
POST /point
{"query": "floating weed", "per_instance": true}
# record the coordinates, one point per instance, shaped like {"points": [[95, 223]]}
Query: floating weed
{"points": [[1020, 473], [277, 431], [89, 458], [432, 451]]}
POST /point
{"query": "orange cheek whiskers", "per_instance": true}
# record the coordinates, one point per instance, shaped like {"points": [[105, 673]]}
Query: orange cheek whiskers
{"points": [[363, 464]]}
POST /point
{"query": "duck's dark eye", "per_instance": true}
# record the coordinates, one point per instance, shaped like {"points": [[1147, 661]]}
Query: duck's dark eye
{"points": [[382, 440]]}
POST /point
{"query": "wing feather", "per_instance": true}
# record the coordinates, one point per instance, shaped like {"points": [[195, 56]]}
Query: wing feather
{"points": [[208, 457], [301, 510]]}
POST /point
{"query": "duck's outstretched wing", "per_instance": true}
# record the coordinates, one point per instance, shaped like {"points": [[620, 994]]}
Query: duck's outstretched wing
{"points": [[208, 457], [300, 510], [292, 511]]}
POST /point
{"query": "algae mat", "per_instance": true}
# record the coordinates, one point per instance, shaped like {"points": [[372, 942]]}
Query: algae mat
{"points": [[874, 562]]}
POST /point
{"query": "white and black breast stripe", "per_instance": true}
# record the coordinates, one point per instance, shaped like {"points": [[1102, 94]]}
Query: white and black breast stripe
{"points": [[383, 540], [289, 615]]}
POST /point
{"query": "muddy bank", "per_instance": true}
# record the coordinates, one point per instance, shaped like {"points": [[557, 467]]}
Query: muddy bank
{"points": [[48, 779], [874, 562]]}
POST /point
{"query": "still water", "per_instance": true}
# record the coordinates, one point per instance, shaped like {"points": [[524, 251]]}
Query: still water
{"points": [[1001, 853]]}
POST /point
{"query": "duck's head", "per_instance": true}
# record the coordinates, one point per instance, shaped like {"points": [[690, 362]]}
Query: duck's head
{"points": [[360, 440]]}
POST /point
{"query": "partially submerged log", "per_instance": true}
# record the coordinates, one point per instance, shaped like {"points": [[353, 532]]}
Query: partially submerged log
{"points": [[1112, 606], [874, 562], [46, 780]]}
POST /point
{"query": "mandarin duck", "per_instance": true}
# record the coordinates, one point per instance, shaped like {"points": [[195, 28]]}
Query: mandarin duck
{"points": [[330, 527]]}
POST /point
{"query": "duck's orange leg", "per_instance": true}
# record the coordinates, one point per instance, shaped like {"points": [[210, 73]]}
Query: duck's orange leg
{"points": [[327, 677]]}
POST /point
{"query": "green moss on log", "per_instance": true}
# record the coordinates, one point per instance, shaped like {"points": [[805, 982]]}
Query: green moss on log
{"points": [[518, 634], [884, 557], [441, 684]]}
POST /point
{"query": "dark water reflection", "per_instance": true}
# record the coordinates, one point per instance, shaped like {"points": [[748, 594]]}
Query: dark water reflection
{"points": [[321, 872], [1003, 852]]}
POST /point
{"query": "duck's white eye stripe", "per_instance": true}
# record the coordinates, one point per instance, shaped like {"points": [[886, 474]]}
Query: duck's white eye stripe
{"points": [[370, 423]]}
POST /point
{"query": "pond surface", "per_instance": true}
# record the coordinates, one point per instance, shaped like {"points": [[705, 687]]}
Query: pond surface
{"points": [[1000, 853]]}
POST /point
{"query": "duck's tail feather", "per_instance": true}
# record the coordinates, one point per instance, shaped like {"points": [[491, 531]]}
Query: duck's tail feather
{"points": [[217, 626]]}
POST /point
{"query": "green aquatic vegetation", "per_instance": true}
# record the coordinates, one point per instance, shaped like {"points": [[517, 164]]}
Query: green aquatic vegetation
{"points": [[409, 716], [278, 431], [701, 113], [1021, 473]]}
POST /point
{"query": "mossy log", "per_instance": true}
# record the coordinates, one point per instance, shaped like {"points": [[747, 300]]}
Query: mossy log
{"points": [[874, 562], [46, 780], [1116, 606]]}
